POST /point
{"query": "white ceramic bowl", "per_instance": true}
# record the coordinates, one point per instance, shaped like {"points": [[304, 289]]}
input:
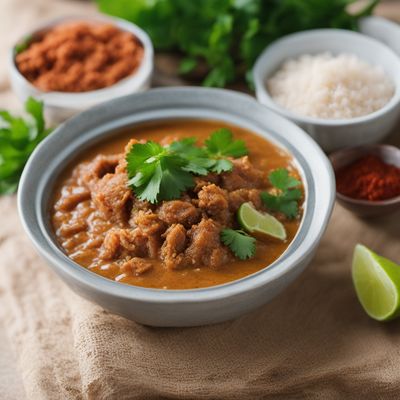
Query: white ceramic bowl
{"points": [[61, 105], [333, 134], [176, 307], [385, 31]]}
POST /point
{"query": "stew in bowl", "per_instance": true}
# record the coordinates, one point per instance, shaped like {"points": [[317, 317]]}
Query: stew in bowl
{"points": [[178, 206], [103, 225]]}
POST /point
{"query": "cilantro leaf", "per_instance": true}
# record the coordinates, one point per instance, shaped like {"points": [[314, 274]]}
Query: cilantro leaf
{"points": [[187, 65], [284, 203], [222, 165], [286, 200], [23, 44], [198, 161], [281, 179], [227, 36], [240, 243], [150, 189], [221, 144], [35, 108], [18, 138], [156, 173], [175, 180]]}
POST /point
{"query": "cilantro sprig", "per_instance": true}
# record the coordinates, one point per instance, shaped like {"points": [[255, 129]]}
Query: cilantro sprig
{"points": [[224, 38], [221, 145], [158, 172], [18, 138], [23, 44], [286, 200], [241, 244]]}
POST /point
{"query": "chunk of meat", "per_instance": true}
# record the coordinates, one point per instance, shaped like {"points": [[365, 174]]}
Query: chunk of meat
{"points": [[151, 228], [121, 167], [72, 227], [179, 212], [214, 201], [243, 176], [111, 246], [70, 199], [240, 196], [100, 166], [124, 242], [205, 247], [148, 222], [173, 246], [133, 242], [201, 181], [135, 266], [113, 198]]}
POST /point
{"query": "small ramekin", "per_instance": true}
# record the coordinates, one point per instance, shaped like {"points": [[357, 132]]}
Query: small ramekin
{"points": [[333, 134], [366, 208], [61, 105]]}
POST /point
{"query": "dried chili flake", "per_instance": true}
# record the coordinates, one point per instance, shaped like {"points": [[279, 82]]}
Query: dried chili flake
{"points": [[369, 178]]}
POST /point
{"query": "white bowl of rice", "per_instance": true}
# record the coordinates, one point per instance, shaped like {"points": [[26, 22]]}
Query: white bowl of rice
{"points": [[342, 87]]}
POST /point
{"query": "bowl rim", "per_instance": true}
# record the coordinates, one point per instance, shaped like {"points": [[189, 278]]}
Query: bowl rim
{"points": [[69, 99], [363, 150], [264, 97], [34, 187]]}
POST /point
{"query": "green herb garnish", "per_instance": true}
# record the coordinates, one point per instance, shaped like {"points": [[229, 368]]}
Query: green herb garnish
{"points": [[23, 44], [228, 35], [221, 145], [18, 138], [156, 173], [286, 200], [163, 172], [240, 243]]}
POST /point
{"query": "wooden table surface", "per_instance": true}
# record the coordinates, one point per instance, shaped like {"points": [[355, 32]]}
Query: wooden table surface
{"points": [[10, 381]]}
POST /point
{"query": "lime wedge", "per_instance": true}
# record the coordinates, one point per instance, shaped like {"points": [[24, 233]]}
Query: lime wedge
{"points": [[255, 221], [377, 283]]}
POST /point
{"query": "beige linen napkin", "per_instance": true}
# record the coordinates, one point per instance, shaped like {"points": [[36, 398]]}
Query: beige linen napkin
{"points": [[313, 341]]}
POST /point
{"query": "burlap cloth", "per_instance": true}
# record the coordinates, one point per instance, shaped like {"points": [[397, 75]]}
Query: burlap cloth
{"points": [[311, 342]]}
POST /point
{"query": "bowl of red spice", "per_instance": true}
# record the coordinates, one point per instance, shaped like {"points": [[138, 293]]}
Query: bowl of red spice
{"points": [[368, 179], [73, 63]]}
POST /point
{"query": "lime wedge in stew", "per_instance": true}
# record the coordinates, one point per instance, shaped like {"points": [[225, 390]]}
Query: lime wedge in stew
{"points": [[377, 283], [256, 221]]}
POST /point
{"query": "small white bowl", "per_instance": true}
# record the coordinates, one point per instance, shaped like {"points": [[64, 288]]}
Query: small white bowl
{"points": [[333, 134], [61, 105]]}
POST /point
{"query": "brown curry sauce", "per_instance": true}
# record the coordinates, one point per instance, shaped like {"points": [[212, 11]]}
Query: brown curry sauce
{"points": [[83, 239]]}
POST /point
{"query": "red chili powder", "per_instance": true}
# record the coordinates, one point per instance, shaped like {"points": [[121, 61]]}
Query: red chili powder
{"points": [[79, 57], [369, 178]]}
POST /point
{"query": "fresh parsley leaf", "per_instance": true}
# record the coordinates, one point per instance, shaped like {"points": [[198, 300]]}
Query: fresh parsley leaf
{"points": [[222, 165], [175, 180], [156, 173], [187, 65], [18, 138], [198, 161], [221, 144], [147, 187], [228, 35], [240, 243], [23, 44], [286, 200], [285, 203], [281, 179], [35, 108]]}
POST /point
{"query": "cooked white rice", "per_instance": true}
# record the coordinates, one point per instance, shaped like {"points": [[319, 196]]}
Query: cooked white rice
{"points": [[327, 86]]}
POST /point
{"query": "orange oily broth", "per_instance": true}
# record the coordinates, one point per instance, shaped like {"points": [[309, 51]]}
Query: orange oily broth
{"points": [[263, 155]]}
